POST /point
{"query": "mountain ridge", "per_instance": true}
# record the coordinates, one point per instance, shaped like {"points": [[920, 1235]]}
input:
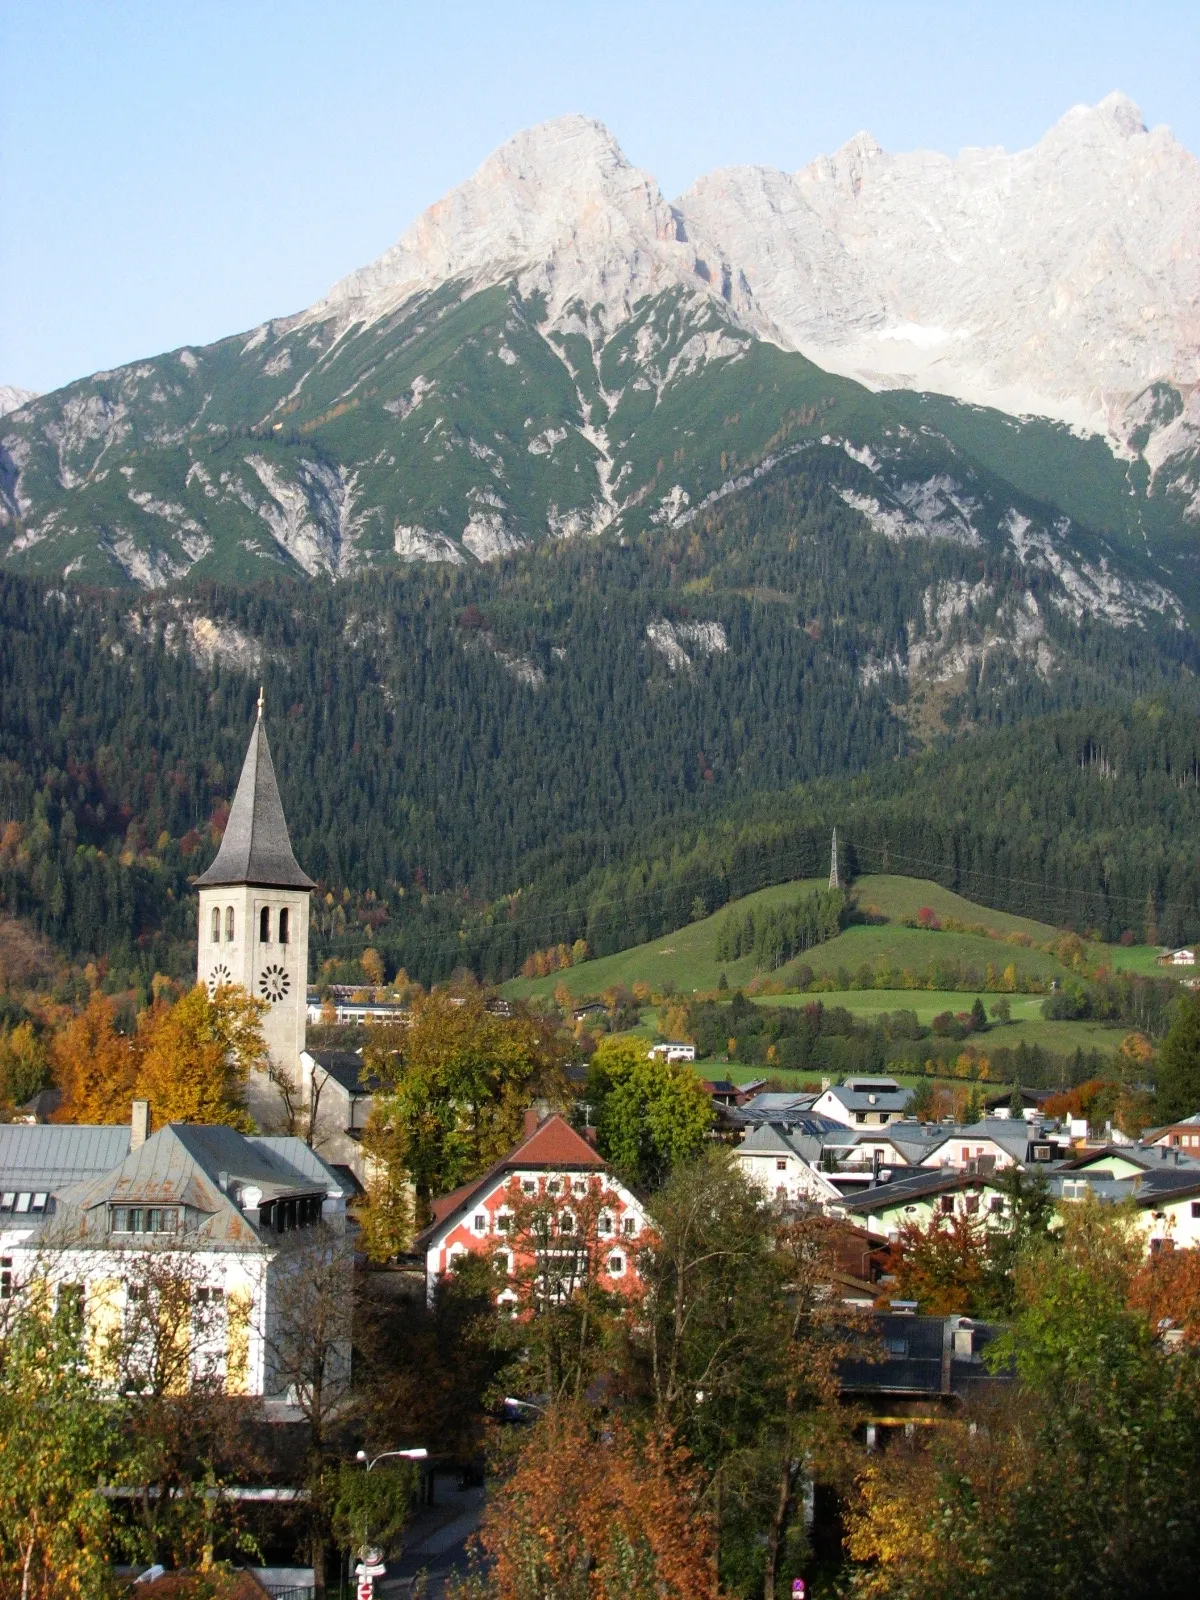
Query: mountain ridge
{"points": [[555, 351]]}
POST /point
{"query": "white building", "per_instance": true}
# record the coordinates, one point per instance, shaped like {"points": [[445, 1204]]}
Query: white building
{"points": [[864, 1102], [110, 1216]]}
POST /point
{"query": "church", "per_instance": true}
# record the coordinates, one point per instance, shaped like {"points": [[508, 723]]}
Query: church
{"points": [[254, 908]]}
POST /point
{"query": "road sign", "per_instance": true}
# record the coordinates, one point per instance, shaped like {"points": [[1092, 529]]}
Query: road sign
{"points": [[798, 1589], [366, 1589]]}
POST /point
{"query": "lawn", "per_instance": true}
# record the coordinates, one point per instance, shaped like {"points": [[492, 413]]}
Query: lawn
{"points": [[685, 961]]}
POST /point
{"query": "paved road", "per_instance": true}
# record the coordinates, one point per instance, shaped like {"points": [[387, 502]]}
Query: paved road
{"points": [[436, 1543]]}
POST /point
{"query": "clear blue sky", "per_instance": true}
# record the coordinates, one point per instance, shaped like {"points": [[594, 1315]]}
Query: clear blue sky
{"points": [[176, 170]]}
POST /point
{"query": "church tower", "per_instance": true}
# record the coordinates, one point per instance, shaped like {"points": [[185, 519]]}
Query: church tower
{"points": [[254, 908]]}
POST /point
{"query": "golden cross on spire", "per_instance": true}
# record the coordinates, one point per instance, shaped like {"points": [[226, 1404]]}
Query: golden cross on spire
{"points": [[260, 702]]}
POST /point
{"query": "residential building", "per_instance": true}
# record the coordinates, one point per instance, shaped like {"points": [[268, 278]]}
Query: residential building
{"points": [[1177, 958], [920, 1198], [551, 1161], [930, 1366], [992, 1145], [254, 903], [348, 1012], [864, 1102], [105, 1213], [674, 1050], [784, 1161], [336, 1096], [1183, 1135]]}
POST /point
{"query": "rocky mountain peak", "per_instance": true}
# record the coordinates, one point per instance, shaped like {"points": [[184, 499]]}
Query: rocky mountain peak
{"points": [[558, 207]]}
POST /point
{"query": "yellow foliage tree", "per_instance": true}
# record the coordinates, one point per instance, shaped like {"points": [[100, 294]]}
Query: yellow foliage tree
{"points": [[372, 964], [196, 1056], [94, 1065]]}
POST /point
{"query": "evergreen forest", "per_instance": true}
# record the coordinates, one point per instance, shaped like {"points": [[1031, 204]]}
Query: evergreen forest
{"points": [[597, 740]]}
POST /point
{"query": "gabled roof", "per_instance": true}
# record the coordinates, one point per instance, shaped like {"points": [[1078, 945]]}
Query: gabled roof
{"points": [[921, 1186], [345, 1067], [53, 1158], [552, 1146], [871, 1094], [256, 848]]}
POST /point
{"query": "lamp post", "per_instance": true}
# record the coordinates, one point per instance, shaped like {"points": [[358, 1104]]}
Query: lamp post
{"points": [[420, 1454], [527, 1405], [370, 1560]]}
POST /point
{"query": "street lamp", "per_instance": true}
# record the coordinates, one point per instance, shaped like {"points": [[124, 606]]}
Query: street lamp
{"points": [[371, 1563], [420, 1454]]}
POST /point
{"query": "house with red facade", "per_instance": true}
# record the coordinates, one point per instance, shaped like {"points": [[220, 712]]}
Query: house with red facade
{"points": [[586, 1219]]}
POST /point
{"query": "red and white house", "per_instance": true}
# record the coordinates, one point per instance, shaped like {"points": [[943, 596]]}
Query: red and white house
{"points": [[553, 1162]]}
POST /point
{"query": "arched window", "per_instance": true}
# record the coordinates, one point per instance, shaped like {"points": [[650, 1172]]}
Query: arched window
{"points": [[228, 923], [264, 925], [216, 925], [283, 926]]}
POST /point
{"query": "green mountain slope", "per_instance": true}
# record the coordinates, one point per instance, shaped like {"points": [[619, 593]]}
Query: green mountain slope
{"points": [[461, 429]]}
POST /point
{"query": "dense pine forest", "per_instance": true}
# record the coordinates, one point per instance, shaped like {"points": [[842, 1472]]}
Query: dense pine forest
{"points": [[478, 762]]}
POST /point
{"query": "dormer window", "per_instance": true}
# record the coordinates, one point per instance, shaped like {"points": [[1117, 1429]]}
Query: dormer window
{"points": [[145, 1219], [216, 925], [264, 925], [229, 924]]}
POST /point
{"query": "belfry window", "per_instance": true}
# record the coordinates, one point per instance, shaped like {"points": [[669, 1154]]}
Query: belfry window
{"points": [[283, 926], [264, 925], [228, 923], [216, 925]]}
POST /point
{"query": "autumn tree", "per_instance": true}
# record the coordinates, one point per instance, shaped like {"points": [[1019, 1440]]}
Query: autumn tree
{"points": [[651, 1114], [1166, 1289], [58, 1438], [1083, 1480], [942, 1266], [596, 1511], [196, 1056], [456, 1085], [95, 1065]]}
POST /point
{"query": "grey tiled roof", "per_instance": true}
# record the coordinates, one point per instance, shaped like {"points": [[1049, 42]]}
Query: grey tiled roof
{"points": [[42, 1156], [256, 847]]}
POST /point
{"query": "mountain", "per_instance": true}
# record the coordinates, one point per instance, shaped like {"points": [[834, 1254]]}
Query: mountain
{"points": [[12, 398], [554, 351]]}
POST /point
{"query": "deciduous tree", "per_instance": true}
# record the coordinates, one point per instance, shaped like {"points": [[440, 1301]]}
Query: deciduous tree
{"points": [[196, 1056], [652, 1113], [94, 1065]]}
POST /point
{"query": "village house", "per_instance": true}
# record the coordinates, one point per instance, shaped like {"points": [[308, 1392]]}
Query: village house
{"points": [[864, 1102], [923, 1197], [336, 1096], [554, 1162], [783, 1160], [1183, 1135], [99, 1212]]}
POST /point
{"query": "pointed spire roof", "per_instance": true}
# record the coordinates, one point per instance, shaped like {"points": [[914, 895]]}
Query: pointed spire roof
{"points": [[256, 847]]}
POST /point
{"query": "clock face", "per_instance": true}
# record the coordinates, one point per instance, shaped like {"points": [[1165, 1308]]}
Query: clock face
{"points": [[274, 983], [218, 978]]}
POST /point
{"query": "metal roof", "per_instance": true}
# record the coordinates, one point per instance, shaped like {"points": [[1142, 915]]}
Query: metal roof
{"points": [[256, 848], [43, 1156]]}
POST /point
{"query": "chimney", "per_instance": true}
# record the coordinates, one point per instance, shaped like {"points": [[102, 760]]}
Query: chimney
{"points": [[139, 1127], [532, 1119], [590, 1135]]}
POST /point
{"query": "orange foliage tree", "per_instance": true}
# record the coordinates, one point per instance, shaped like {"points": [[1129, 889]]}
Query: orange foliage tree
{"points": [[942, 1266], [94, 1065], [1167, 1288], [596, 1513]]}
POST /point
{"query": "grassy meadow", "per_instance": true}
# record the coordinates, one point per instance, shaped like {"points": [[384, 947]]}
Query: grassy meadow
{"points": [[685, 963]]}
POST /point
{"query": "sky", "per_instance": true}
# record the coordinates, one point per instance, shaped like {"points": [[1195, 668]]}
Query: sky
{"points": [[172, 172]]}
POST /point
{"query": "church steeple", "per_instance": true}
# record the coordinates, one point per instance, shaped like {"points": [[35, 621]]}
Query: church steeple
{"points": [[256, 848]]}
